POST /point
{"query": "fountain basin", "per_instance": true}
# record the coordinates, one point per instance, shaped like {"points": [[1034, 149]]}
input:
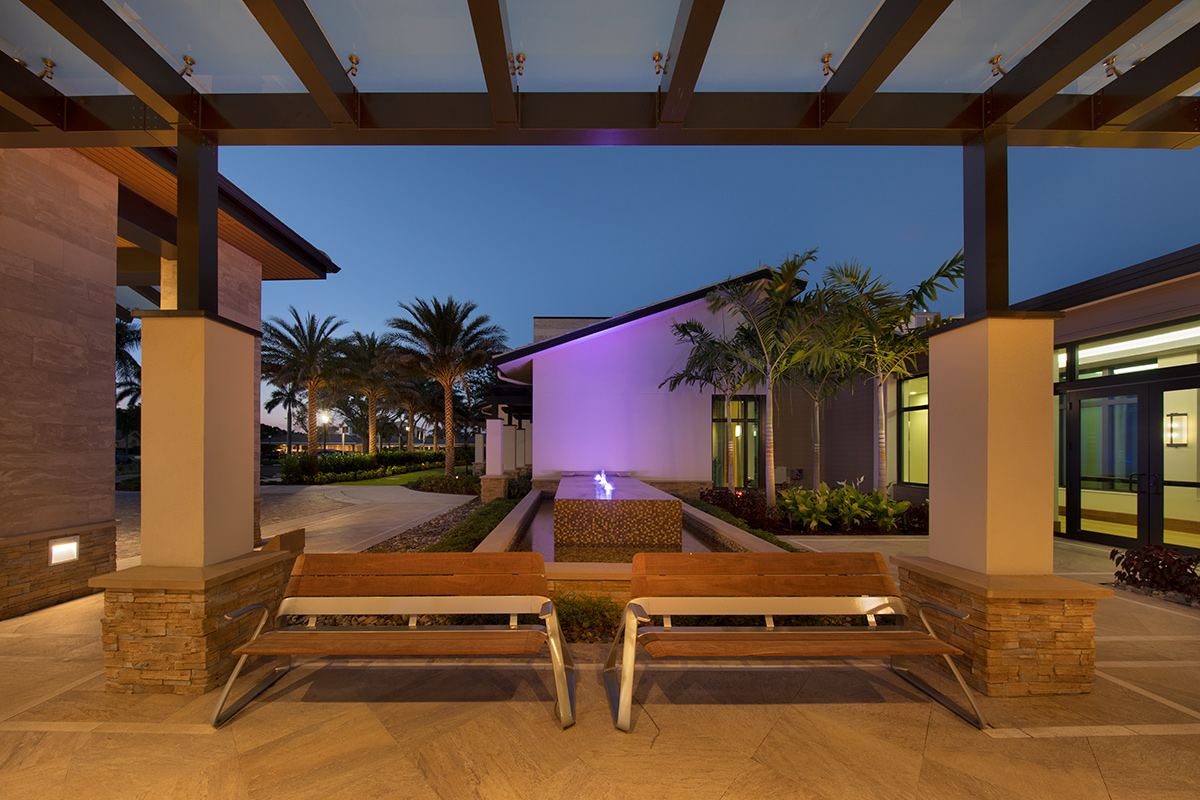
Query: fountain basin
{"points": [[632, 514]]}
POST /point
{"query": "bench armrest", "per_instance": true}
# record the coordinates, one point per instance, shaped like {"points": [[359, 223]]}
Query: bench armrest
{"points": [[547, 610], [944, 609], [639, 612], [246, 610]]}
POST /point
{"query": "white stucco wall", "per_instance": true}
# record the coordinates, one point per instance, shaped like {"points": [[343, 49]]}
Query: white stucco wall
{"points": [[597, 404]]}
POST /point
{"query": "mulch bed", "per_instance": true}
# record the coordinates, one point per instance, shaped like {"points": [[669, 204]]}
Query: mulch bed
{"points": [[421, 536], [1171, 597]]}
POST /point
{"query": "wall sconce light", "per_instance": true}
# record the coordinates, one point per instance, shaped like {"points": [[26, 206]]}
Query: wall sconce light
{"points": [[64, 550], [352, 70], [516, 65], [660, 63], [997, 70], [1175, 432], [826, 68], [1110, 67], [48, 72]]}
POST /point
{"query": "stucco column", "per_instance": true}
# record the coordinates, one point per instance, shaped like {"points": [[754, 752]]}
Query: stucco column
{"points": [[509, 432], [493, 484], [519, 448], [198, 440]]}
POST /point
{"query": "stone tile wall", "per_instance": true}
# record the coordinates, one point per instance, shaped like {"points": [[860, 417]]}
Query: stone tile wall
{"points": [[493, 488], [176, 641], [1013, 647], [28, 581]]}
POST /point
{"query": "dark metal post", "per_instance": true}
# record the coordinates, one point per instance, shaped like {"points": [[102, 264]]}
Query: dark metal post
{"points": [[196, 233], [985, 223]]}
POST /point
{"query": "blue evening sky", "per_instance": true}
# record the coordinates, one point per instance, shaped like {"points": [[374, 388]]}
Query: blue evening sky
{"points": [[596, 231]]}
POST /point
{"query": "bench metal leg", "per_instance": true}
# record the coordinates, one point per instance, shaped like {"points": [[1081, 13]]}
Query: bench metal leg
{"points": [[977, 719], [564, 671], [282, 665], [618, 681]]}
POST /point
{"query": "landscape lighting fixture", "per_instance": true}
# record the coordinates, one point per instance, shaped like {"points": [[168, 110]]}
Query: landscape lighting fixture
{"points": [[997, 70], [826, 68], [64, 550], [352, 70], [1175, 432], [188, 64]]}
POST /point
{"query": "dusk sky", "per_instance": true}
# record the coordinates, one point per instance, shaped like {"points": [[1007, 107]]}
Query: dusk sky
{"points": [[598, 231]]}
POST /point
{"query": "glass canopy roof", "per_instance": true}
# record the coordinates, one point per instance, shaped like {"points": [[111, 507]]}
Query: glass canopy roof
{"points": [[24, 35]]}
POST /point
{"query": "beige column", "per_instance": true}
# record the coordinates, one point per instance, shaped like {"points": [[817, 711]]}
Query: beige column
{"points": [[494, 484], [198, 440]]}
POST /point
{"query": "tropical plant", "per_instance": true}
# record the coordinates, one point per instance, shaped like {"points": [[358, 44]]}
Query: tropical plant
{"points": [[844, 508], [301, 351], [289, 397], [129, 339], [712, 361], [444, 341], [888, 341], [774, 334], [365, 366]]}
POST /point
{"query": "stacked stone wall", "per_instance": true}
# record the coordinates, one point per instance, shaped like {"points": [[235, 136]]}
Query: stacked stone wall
{"points": [[27, 579]]}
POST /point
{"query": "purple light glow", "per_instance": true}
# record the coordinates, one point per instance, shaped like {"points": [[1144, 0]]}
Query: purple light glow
{"points": [[603, 486]]}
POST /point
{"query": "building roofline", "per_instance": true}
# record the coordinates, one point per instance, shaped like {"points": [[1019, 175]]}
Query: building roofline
{"points": [[626, 318], [1179, 264]]}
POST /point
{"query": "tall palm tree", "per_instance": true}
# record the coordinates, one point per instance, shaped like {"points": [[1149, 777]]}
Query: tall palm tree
{"points": [[772, 335], [445, 342], [365, 366], [712, 361], [887, 340], [129, 339], [289, 397], [301, 351]]}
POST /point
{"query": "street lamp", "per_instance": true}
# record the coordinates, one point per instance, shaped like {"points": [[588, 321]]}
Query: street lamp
{"points": [[323, 418], [345, 428]]}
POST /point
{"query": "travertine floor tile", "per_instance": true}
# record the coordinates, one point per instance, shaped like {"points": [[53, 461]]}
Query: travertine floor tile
{"points": [[34, 764], [760, 782], [121, 765], [1150, 767], [578, 780]]}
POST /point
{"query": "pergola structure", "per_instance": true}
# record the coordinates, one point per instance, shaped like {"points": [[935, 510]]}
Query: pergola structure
{"points": [[1104, 73]]}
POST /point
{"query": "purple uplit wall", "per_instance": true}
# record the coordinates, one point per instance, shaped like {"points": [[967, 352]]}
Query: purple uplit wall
{"points": [[597, 404]]}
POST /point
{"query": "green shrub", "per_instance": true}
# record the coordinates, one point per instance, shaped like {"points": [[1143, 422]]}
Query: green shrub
{"points": [[844, 508], [447, 484], [466, 535], [586, 619], [725, 516], [519, 486], [130, 485]]}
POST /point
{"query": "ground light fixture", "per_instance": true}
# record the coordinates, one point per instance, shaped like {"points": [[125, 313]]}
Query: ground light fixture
{"points": [[64, 550], [1175, 431]]}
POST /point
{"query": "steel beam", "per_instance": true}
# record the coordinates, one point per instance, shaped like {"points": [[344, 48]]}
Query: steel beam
{"points": [[29, 97], [695, 23], [1162, 76], [196, 222], [492, 38], [299, 39], [100, 33], [985, 224], [1083, 41], [890, 35]]}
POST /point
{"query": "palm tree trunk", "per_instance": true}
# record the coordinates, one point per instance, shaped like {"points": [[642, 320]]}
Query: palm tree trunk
{"points": [[289, 430], [816, 473], [730, 457], [371, 422], [448, 425], [769, 425], [311, 388], [881, 432]]}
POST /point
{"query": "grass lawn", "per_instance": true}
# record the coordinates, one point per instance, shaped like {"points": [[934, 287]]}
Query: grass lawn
{"points": [[401, 480]]}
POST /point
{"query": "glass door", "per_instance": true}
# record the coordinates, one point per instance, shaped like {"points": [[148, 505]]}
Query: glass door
{"points": [[1106, 479], [1179, 487]]}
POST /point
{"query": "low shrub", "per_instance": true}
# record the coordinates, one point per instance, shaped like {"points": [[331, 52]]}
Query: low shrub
{"points": [[1156, 567], [725, 516], [915, 519], [130, 485], [749, 505], [519, 486], [466, 535], [447, 484], [585, 619], [844, 508], [422, 459]]}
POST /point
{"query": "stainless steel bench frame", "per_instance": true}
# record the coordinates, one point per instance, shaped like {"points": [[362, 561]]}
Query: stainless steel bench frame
{"points": [[618, 679], [311, 607]]}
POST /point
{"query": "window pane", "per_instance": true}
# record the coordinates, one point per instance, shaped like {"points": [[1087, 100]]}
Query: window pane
{"points": [[1060, 364], [1168, 346], [751, 450], [739, 409], [1108, 442], [718, 454], [718, 407], [1181, 472], [914, 392], [914, 447]]}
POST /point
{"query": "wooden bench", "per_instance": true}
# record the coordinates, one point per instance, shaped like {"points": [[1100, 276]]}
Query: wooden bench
{"points": [[409, 584], [771, 584]]}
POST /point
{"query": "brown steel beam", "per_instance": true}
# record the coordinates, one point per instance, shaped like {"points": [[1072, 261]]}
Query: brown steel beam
{"points": [[695, 23], [985, 224], [30, 98], [196, 222], [1162, 76], [299, 39], [100, 33], [149, 293], [1083, 41], [492, 38], [123, 313], [890, 35]]}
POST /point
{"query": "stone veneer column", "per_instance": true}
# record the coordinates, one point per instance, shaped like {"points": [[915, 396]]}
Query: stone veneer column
{"points": [[58, 257], [991, 546]]}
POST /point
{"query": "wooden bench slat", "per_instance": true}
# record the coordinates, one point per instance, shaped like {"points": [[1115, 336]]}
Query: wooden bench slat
{"points": [[420, 564], [304, 585], [762, 585], [759, 564], [395, 643], [800, 644]]}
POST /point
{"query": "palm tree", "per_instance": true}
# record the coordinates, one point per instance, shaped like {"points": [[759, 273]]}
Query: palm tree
{"points": [[129, 339], [716, 362], [445, 342], [888, 341], [772, 335], [301, 351], [291, 398], [364, 364]]}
